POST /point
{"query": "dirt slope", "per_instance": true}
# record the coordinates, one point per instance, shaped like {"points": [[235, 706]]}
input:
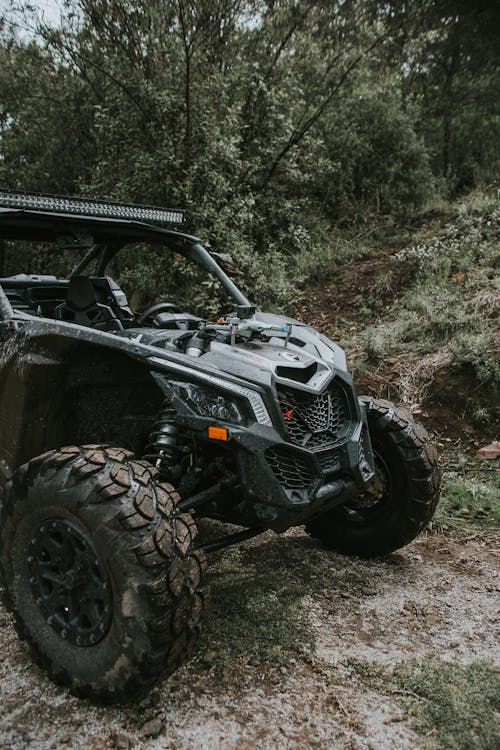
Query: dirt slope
{"points": [[362, 294]]}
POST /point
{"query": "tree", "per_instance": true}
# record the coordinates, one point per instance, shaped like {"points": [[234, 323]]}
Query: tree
{"points": [[451, 65]]}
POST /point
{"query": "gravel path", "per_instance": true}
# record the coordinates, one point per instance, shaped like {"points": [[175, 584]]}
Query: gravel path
{"points": [[438, 597]]}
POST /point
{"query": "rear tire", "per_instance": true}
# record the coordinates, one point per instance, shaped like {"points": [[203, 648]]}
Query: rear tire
{"points": [[403, 496], [99, 570]]}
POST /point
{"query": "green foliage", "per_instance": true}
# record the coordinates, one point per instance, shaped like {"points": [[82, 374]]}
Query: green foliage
{"points": [[268, 280], [396, 335], [174, 280], [45, 120], [320, 261], [476, 359], [148, 275], [273, 124], [470, 499], [374, 161], [270, 127], [452, 74]]}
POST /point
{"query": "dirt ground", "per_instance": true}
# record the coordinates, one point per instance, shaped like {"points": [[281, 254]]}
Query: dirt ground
{"points": [[439, 596]]}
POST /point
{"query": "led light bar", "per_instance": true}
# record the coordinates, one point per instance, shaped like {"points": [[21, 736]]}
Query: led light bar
{"points": [[83, 207]]}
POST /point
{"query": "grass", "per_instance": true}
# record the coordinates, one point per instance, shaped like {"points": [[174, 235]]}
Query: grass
{"points": [[321, 262], [470, 494], [257, 615], [453, 706], [254, 620]]}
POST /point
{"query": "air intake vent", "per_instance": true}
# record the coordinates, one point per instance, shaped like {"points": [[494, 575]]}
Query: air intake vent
{"points": [[293, 471], [299, 374], [329, 461]]}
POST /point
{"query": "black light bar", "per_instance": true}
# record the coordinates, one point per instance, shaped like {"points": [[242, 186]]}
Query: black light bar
{"points": [[88, 207]]}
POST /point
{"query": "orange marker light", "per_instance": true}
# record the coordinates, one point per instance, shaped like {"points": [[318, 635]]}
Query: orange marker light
{"points": [[218, 433]]}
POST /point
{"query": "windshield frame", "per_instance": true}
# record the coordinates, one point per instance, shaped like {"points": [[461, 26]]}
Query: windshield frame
{"points": [[104, 237]]}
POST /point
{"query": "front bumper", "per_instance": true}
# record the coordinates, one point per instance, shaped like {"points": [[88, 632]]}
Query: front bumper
{"points": [[299, 484], [281, 483]]}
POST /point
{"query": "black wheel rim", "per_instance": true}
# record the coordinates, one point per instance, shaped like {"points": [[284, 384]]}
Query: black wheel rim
{"points": [[70, 582], [375, 501]]}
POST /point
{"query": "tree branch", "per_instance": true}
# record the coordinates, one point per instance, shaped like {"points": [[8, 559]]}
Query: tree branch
{"points": [[299, 132]]}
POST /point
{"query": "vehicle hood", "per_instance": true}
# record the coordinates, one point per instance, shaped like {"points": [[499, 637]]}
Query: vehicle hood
{"points": [[306, 358]]}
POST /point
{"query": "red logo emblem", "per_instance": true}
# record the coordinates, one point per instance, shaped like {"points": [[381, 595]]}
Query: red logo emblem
{"points": [[287, 415]]}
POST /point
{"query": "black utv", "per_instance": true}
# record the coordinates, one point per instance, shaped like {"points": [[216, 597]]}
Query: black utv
{"points": [[119, 429]]}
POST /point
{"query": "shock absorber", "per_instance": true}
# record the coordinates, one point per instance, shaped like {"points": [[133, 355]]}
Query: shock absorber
{"points": [[162, 447]]}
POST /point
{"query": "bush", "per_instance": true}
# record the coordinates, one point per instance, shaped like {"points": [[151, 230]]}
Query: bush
{"points": [[452, 304], [149, 275]]}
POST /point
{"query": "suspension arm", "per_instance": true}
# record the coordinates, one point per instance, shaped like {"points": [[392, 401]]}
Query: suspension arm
{"points": [[227, 541], [205, 495]]}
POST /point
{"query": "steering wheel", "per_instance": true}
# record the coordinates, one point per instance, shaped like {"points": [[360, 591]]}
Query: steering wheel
{"points": [[155, 309]]}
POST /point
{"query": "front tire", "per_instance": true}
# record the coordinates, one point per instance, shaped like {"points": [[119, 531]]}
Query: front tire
{"points": [[99, 570], [403, 496]]}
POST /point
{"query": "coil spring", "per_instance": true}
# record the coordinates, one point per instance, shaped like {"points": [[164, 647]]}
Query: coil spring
{"points": [[161, 450]]}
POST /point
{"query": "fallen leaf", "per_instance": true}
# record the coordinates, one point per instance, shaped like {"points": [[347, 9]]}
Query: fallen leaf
{"points": [[489, 451]]}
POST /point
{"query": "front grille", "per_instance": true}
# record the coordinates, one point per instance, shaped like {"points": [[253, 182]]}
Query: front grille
{"points": [[291, 470], [329, 461], [315, 421]]}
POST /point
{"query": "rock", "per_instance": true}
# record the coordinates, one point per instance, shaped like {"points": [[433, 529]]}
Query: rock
{"points": [[152, 728], [122, 740], [489, 451], [210, 658]]}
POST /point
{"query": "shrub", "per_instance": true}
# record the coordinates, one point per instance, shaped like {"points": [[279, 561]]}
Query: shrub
{"points": [[452, 303]]}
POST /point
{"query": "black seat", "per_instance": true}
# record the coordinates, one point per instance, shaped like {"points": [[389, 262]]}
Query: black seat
{"points": [[109, 293], [84, 305]]}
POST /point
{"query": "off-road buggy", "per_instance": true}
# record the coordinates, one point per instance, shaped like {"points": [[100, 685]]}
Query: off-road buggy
{"points": [[118, 430]]}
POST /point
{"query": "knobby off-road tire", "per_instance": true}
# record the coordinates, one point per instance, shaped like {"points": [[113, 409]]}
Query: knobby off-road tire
{"points": [[403, 496], [99, 570]]}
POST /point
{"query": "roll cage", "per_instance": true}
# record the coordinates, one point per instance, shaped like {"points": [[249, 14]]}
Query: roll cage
{"points": [[70, 224]]}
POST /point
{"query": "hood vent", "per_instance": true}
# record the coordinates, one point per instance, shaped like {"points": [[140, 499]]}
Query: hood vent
{"points": [[299, 374]]}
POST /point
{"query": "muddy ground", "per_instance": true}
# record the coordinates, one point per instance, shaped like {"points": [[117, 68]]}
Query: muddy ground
{"points": [[438, 597]]}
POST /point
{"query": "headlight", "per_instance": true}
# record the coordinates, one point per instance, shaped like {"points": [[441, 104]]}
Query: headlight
{"points": [[208, 402], [242, 394]]}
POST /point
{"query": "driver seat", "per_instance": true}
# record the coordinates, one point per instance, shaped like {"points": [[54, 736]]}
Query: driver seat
{"points": [[83, 307]]}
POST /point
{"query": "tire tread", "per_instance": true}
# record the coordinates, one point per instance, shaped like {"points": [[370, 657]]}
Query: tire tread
{"points": [[411, 442], [168, 569]]}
